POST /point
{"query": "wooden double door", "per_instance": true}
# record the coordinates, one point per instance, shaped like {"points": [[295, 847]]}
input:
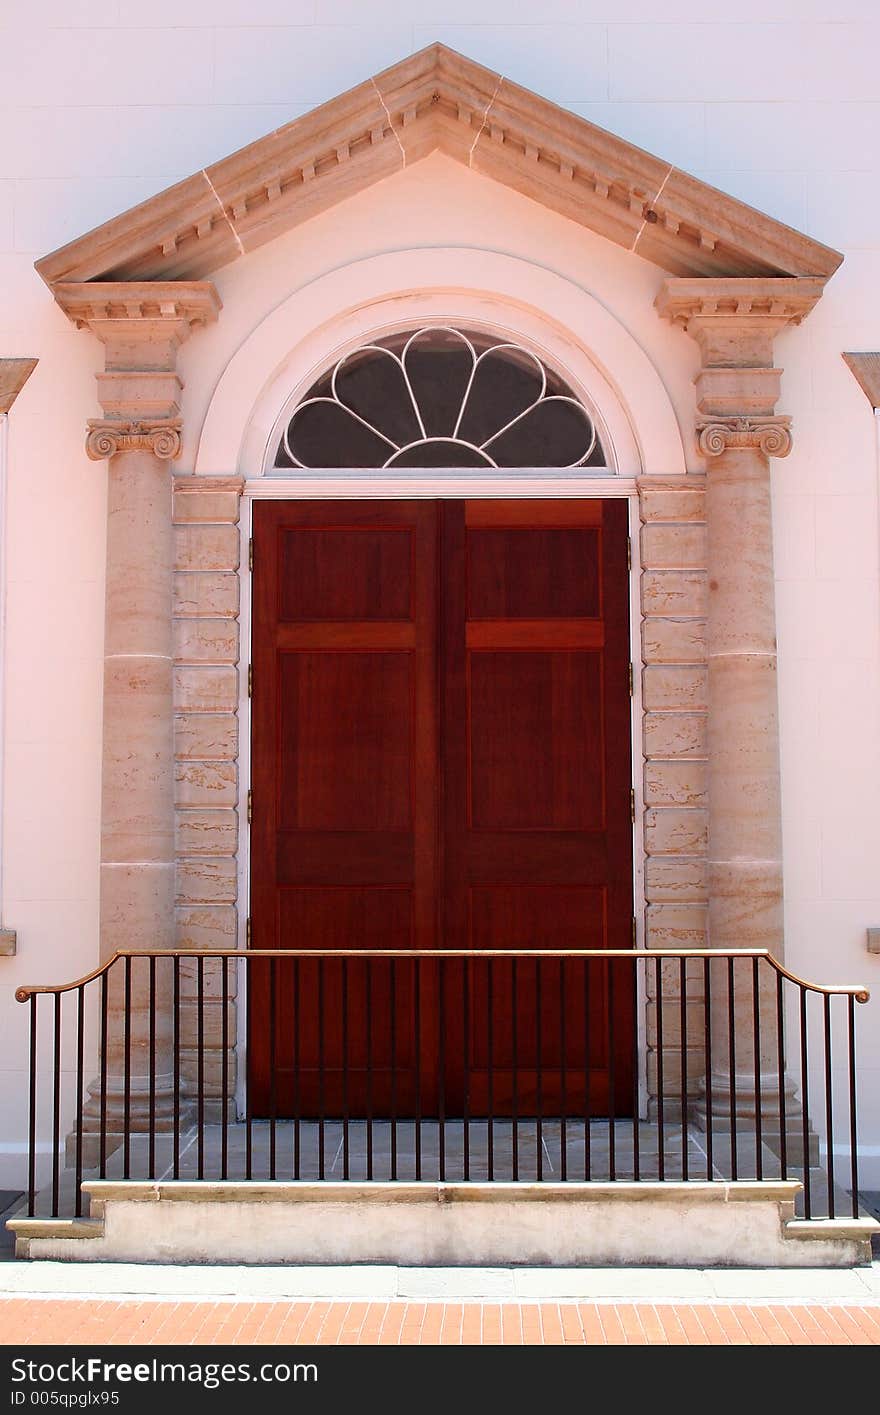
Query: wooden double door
{"points": [[440, 760]]}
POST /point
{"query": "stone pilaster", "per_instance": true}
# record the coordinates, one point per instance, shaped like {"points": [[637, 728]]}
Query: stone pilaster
{"points": [[734, 322], [206, 693], [141, 325]]}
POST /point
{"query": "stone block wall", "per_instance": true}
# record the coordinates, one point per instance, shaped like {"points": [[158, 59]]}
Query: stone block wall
{"points": [[674, 693], [206, 668]]}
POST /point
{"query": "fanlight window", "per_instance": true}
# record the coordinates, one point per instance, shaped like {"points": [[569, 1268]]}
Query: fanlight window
{"points": [[439, 398]]}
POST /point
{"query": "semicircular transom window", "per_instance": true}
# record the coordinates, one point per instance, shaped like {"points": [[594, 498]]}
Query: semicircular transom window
{"points": [[438, 398]]}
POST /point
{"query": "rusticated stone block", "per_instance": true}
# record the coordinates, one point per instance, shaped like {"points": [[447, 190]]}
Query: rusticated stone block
{"points": [[674, 879], [212, 1073], [209, 594], [670, 979], [207, 504], [670, 735], [206, 689], [206, 880], [671, 831], [206, 547], [696, 1066], [676, 783], [676, 925], [675, 593], [695, 1025], [686, 503], [679, 547], [206, 640], [205, 783], [212, 1023], [206, 736], [679, 689], [207, 832], [206, 926], [674, 640], [212, 977]]}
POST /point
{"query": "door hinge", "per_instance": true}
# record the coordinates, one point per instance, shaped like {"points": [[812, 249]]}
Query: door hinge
{"points": [[247, 933], [250, 680], [635, 932], [629, 553], [250, 806], [631, 681], [250, 552], [632, 804]]}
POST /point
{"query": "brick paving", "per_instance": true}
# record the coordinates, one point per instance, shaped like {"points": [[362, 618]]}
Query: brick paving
{"points": [[35, 1321]]}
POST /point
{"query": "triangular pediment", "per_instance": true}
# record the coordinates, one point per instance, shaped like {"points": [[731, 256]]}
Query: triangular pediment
{"points": [[438, 100]]}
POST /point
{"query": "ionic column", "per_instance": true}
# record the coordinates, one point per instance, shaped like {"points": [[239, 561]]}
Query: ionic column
{"points": [[141, 326], [734, 322]]}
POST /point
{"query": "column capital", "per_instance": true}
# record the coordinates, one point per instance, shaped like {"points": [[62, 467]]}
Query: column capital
{"points": [[141, 324], [771, 435], [734, 322]]}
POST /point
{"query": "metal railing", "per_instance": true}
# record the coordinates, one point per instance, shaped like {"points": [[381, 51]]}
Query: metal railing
{"points": [[523, 1066]]}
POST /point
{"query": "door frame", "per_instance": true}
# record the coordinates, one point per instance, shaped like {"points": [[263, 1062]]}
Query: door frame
{"points": [[330, 486]]}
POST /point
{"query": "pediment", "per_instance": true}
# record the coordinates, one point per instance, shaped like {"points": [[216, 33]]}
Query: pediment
{"points": [[438, 100]]}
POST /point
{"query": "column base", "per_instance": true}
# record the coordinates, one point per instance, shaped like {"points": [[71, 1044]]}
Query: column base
{"points": [[746, 1113]]}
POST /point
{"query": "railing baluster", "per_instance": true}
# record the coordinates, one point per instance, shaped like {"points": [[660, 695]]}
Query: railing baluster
{"points": [[515, 1075], [417, 1024], [539, 1135], [126, 1101], [297, 1096], [707, 1061], [805, 1119], [588, 1153], [102, 1144], [392, 984], [224, 1084], [176, 1171], [200, 1062], [563, 1079], [441, 1070], [466, 1064], [151, 1140], [612, 1109], [80, 1028], [490, 1076], [731, 1061], [370, 966], [829, 1106], [321, 1063], [32, 1117], [634, 966], [345, 1137], [759, 1098], [273, 1066], [683, 1061], [661, 1101], [853, 1131], [780, 1062], [56, 1106], [248, 1090]]}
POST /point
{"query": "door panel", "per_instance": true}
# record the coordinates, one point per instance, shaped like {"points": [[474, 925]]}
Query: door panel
{"points": [[441, 759], [343, 839]]}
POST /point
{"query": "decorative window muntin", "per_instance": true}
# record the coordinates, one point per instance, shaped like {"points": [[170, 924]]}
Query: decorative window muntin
{"points": [[439, 397]]}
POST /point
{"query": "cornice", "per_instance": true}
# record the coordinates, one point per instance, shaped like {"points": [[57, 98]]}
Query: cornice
{"points": [[782, 301], [14, 374], [865, 369], [96, 303], [438, 100]]}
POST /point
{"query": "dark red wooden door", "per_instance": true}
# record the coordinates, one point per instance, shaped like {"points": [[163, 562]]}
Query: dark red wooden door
{"points": [[441, 759]]}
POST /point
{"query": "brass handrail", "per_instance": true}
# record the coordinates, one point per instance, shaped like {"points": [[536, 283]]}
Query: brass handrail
{"points": [[855, 990]]}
